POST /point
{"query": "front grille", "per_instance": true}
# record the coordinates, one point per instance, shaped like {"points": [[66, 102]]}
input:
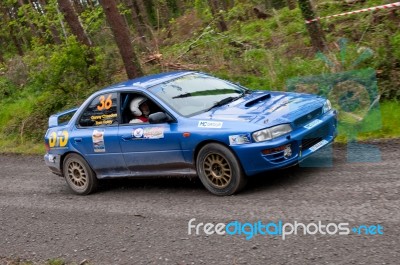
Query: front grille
{"points": [[307, 143], [314, 137], [308, 117]]}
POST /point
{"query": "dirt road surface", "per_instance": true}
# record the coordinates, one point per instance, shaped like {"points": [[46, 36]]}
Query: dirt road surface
{"points": [[146, 221]]}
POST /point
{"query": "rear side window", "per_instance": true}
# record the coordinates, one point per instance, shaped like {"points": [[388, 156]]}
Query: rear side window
{"points": [[102, 111]]}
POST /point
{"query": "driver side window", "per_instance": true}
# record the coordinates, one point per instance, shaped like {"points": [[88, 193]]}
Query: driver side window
{"points": [[136, 108]]}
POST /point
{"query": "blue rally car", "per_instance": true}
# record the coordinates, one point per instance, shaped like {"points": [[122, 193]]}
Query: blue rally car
{"points": [[185, 123]]}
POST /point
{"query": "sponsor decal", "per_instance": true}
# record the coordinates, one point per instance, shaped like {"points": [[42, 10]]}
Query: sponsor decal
{"points": [[313, 124], [148, 133], [105, 103], [104, 119], [98, 141], [210, 124], [318, 145], [58, 139], [153, 132], [239, 139], [137, 133]]}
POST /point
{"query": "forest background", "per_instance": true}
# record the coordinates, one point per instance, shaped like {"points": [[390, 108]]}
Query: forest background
{"points": [[54, 53]]}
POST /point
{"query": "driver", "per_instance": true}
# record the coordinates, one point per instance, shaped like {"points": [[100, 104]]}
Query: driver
{"points": [[140, 110]]}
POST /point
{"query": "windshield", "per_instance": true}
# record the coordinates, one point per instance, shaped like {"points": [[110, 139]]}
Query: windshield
{"points": [[196, 93]]}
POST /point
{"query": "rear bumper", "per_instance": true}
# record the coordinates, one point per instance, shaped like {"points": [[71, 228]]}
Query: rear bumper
{"points": [[53, 161], [299, 144]]}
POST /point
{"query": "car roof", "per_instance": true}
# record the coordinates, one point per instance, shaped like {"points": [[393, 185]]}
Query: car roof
{"points": [[148, 81]]}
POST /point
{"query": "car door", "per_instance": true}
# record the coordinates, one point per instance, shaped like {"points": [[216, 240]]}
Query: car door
{"points": [[152, 149], [96, 136]]}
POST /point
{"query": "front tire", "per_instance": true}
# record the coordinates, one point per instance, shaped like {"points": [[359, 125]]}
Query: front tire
{"points": [[219, 170], [79, 176]]}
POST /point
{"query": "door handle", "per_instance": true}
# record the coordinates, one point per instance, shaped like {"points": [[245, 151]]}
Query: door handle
{"points": [[126, 137], [77, 140]]}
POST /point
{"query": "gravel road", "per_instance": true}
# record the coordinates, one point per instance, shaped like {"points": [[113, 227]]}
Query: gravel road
{"points": [[146, 221]]}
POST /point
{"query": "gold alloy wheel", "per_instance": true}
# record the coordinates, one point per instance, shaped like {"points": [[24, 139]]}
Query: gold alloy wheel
{"points": [[217, 170], [77, 174]]}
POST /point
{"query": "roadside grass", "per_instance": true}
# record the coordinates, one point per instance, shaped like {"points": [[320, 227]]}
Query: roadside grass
{"points": [[12, 144], [383, 123], [390, 121], [55, 261]]}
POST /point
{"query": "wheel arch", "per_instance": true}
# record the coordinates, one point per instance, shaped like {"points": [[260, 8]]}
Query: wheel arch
{"points": [[62, 158], [205, 142]]}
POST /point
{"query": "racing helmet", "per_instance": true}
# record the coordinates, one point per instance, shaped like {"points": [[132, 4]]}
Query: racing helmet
{"points": [[134, 106]]}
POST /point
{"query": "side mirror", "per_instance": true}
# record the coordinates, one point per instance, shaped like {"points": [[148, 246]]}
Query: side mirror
{"points": [[159, 117]]}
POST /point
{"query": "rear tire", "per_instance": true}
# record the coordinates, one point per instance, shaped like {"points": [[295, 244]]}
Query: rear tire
{"points": [[79, 176], [219, 170]]}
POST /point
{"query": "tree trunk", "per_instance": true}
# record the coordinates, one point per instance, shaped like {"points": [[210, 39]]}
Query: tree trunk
{"points": [[78, 6], [64, 31], [142, 11], [73, 22], [33, 28], [215, 11], [122, 38], [90, 3], [163, 14], [53, 29], [314, 28], [1, 51], [182, 6], [16, 42], [276, 4], [137, 20], [228, 4], [291, 4], [11, 16]]}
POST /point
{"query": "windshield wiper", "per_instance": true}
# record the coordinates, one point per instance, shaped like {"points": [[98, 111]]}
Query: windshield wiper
{"points": [[183, 95], [225, 101]]}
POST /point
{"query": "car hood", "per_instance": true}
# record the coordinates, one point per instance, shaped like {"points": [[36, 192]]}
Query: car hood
{"points": [[268, 108]]}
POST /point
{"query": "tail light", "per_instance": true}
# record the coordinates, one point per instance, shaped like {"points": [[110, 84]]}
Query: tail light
{"points": [[46, 145]]}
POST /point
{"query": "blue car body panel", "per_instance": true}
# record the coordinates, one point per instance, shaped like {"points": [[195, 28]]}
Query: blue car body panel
{"points": [[169, 148]]}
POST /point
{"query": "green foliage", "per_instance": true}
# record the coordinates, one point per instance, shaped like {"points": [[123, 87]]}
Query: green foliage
{"points": [[93, 19], [70, 67], [202, 8], [7, 88], [13, 116], [395, 41], [239, 12], [371, 3], [60, 76], [256, 30]]}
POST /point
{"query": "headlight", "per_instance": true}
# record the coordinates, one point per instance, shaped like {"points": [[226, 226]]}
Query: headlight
{"points": [[271, 133], [327, 106]]}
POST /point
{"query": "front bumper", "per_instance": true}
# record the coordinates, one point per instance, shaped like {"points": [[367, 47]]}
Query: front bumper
{"points": [[287, 150]]}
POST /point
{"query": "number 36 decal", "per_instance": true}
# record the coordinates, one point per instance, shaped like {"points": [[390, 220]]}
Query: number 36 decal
{"points": [[58, 139], [105, 103]]}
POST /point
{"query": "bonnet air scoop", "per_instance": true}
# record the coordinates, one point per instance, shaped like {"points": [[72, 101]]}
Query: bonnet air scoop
{"points": [[257, 100]]}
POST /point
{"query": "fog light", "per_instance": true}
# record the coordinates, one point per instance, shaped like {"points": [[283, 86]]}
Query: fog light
{"points": [[287, 152], [285, 148]]}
